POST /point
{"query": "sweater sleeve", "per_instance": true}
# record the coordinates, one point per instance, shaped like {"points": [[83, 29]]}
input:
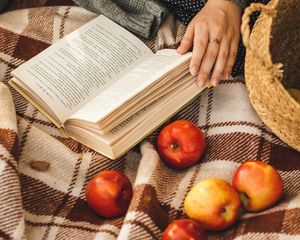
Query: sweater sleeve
{"points": [[141, 17]]}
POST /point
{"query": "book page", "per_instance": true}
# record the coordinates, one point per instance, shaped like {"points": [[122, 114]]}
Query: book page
{"points": [[74, 70], [131, 84]]}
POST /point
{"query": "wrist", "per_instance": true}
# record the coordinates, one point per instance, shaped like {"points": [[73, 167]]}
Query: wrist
{"points": [[241, 3]]}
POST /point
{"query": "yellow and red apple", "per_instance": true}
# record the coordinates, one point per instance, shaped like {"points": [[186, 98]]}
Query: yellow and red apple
{"points": [[258, 184], [213, 203]]}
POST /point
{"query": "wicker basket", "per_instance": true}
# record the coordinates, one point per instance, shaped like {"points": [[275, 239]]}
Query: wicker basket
{"points": [[272, 66]]}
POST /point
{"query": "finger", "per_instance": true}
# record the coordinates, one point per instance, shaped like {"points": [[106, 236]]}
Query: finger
{"points": [[208, 62], [187, 40], [221, 60], [231, 58], [200, 44]]}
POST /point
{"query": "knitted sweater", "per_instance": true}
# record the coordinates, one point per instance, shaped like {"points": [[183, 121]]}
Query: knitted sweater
{"points": [[142, 17]]}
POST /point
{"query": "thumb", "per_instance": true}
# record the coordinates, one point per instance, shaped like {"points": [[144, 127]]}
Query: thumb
{"points": [[187, 40]]}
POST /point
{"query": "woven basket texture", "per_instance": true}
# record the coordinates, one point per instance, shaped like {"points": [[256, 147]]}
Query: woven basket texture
{"points": [[272, 66]]}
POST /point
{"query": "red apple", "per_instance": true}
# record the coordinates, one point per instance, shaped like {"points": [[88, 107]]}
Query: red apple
{"points": [[184, 229], [109, 193], [181, 144], [213, 203], [259, 185]]}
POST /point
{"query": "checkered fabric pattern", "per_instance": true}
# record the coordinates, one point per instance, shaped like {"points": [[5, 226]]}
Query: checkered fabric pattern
{"points": [[48, 201]]}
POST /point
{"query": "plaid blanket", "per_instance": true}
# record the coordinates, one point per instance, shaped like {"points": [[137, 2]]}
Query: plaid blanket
{"points": [[43, 175]]}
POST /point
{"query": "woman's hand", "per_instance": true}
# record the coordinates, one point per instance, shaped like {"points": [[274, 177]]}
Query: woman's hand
{"points": [[214, 36]]}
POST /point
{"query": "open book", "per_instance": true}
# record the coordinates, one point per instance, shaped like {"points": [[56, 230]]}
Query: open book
{"points": [[105, 87]]}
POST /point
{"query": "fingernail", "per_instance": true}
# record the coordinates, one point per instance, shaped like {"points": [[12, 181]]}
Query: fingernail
{"points": [[201, 82], [194, 71], [214, 82], [227, 76], [180, 49]]}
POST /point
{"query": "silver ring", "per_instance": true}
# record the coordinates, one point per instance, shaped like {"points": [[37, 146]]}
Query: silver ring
{"points": [[214, 40]]}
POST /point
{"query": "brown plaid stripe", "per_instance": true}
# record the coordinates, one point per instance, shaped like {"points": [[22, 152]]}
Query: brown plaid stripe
{"points": [[51, 204]]}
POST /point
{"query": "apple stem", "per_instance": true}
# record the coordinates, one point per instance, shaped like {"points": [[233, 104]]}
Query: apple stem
{"points": [[244, 197], [223, 210], [123, 192], [174, 146]]}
